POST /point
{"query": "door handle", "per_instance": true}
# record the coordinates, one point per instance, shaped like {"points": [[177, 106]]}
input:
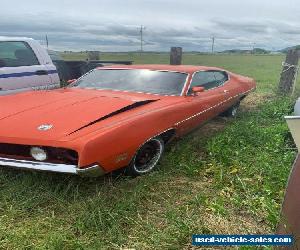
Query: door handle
{"points": [[225, 91], [41, 72]]}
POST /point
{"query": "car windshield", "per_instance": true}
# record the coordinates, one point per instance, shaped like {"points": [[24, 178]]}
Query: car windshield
{"points": [[135, 80]]}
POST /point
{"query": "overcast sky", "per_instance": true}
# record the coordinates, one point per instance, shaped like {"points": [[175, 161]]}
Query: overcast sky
{"points": [[114, 25]]}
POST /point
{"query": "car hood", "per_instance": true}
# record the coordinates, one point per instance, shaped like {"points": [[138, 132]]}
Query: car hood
{"points": [[54, 114]]}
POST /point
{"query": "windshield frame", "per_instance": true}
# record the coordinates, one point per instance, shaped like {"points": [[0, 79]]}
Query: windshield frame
{"points": [[127, 68]]}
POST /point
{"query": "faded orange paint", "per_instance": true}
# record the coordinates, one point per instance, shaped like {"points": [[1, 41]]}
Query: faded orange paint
{"points": [[122, 134]]}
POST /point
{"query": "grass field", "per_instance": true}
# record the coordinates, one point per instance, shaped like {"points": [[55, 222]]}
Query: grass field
{"points": [[226, 177]]}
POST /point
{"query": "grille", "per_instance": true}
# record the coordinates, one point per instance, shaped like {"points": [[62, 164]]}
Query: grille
{"points": [[22, 152]]}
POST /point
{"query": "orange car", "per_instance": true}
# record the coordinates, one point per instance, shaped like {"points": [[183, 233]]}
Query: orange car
{"points": [[114, 117]]}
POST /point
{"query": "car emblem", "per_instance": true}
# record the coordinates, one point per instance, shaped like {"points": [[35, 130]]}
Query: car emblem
{"points": [[45, 127]]}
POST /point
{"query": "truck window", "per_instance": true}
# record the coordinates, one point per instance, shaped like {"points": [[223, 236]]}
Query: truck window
{"points": [[15, 54]]}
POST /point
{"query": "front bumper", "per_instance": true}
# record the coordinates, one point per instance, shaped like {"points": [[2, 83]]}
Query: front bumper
{"points": [[92, 171]]}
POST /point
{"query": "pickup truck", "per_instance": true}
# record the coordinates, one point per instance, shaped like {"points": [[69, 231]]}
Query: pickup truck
{"points": [[73, 69], [25, 65]]}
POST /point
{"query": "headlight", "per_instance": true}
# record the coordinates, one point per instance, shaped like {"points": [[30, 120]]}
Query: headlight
{"points": [[38, 154]]}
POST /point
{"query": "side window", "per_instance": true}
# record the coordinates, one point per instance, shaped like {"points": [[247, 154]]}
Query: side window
{"points": [[15, 54], [208, 79], [221, 77]]}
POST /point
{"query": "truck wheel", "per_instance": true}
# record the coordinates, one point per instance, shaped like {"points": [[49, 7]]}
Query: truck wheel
{"points": [[146, 157]]}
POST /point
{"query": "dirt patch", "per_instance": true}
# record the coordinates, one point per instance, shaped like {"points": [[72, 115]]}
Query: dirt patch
{"points": [[232, 224], [253, 100], [213, 126]]}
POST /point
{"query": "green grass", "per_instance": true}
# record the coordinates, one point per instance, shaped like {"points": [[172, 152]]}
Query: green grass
{"points": [[226, 177]]}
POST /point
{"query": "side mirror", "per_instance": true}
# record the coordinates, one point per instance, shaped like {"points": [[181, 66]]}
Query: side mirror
{"points": [[71, 81], [197, 89]]}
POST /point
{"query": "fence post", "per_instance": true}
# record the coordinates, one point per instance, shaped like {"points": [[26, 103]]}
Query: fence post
{"points": [[176, 56], [289, 72], [93, 55]]}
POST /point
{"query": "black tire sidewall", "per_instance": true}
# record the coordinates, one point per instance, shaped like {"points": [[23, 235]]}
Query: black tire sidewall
{"points": [[131, 170]]}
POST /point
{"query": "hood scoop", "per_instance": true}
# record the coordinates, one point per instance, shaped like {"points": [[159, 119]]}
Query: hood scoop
{"points": [[127, 108]]}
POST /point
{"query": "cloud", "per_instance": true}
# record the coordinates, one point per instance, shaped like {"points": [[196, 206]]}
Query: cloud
{"points": [[114, 25]]}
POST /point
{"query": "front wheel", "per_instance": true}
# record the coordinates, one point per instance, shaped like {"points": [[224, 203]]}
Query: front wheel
{"points": [[147, 157]]}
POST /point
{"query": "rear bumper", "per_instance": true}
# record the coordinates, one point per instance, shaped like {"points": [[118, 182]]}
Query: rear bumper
{"points": [[92, 171]]}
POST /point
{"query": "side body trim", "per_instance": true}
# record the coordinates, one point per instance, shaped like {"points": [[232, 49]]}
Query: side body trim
{"points": [[212, 107], [22, 74]]}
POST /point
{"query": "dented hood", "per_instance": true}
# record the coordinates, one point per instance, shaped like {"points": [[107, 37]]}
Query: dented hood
{"points": [[54, 114]]}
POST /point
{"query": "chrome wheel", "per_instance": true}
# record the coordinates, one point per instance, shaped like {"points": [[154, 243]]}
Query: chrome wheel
{"points": [[147, 156]]}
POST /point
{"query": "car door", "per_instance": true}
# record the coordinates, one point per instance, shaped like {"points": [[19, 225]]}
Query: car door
{"points": [[205, 105], [20, 67]]}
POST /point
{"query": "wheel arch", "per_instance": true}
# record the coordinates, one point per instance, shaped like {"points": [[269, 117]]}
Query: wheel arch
{"points": [[167, 135], [242, 97]]}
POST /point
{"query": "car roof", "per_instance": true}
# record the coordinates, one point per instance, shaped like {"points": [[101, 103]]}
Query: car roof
{"points": [[13, 38], [164, 67]]}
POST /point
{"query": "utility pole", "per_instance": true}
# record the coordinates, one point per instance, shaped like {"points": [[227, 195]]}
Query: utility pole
{"points": [[47, 43], [212, 44], [253, 47], [141, 34]]}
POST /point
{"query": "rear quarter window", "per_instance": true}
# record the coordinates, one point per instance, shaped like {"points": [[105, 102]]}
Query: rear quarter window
{"points": [[208, 79], [220, 76]]}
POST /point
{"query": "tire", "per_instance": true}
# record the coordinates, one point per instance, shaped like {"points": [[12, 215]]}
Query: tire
{"points": [[232, 111], [146, 157]]}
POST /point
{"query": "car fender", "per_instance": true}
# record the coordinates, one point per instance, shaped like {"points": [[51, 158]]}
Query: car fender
{"points": [[116, 147]]}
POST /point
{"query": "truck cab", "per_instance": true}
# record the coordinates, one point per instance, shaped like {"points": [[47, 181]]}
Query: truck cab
{"points": [[25, 65]]}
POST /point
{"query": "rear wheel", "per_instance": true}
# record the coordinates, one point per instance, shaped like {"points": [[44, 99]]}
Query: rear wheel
{"points": [[147, 157], [232, 111]]}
